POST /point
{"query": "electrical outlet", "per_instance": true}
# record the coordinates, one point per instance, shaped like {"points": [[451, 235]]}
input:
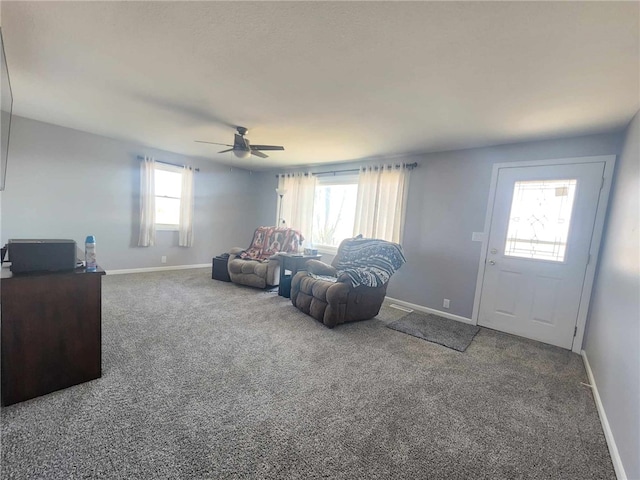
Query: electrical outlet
{"points": [[445, 304], [163, 259]]}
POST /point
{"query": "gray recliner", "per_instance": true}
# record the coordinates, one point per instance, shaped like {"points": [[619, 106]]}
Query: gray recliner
{"points": [[353, 287], [253, 273], [259, 265]]}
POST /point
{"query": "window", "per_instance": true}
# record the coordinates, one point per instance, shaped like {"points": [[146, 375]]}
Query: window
{"points": [[334, 209], [168, 187], [329, 208]]}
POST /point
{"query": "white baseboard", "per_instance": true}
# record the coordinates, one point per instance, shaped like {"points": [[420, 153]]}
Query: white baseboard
{"points": [[440, 313], [157, 269], [608, 434]]}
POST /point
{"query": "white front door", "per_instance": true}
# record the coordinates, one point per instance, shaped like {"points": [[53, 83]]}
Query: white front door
{"points": [[538, 249]]}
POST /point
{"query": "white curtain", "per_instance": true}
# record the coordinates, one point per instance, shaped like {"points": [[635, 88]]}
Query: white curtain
{"points": [[147, 236], [382, 198], [297, 202], [185, 228]]}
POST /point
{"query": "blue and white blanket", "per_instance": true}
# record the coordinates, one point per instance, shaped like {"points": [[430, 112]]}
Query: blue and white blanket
{"points": [[369, 262]]}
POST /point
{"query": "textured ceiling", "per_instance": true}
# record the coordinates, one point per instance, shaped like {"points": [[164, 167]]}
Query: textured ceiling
{"points": [[333, 81]]}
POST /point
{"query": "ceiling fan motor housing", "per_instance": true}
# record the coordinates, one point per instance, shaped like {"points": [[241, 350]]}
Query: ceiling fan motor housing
{"points": [[241, 143]]}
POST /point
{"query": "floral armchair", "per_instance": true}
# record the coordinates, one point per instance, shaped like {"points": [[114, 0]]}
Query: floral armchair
{"points": [[353, 287], [259, 265]]}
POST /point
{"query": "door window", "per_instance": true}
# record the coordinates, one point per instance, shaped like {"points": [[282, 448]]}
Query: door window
{"points": [[540, 218]]}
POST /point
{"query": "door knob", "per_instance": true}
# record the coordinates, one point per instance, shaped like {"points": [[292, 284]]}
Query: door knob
{"points": [[491, 262]]}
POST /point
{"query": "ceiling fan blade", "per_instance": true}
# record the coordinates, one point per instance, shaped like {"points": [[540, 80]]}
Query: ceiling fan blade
{"points": [[266, 147], [228, 150], [214, 143], [259, 154]]}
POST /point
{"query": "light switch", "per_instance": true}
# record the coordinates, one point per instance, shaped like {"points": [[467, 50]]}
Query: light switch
{"points": [[477, 236]]}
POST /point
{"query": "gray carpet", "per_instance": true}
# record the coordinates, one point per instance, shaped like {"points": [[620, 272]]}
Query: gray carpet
{"points": [[205, 379], [443, 331]]}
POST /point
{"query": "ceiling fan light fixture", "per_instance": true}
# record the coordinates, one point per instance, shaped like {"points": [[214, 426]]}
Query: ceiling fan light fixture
{"points": [[242, 153]]}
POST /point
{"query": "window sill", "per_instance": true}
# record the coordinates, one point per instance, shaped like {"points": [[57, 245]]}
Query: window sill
{"points": [[327, 249], [169, 228]]}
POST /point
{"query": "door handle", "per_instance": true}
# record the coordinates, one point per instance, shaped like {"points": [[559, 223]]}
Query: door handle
{"points": [[491, 262]]}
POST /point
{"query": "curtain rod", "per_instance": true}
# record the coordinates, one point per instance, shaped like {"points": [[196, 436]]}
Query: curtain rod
{"points": [[410, 166], [140, 157]]}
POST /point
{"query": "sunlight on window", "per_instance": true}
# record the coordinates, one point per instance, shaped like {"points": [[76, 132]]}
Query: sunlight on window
{"points": [[540, 218], [168, 185], [334, 210]]}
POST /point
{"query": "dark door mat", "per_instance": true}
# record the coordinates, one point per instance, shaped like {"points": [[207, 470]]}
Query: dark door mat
{"points": [[443, 331]]}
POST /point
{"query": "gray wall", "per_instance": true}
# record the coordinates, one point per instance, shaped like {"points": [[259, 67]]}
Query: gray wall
{"points": [[447, 201], [613, 337], [63, 183]]}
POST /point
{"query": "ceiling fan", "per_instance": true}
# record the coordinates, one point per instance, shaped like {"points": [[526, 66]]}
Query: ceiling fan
{"points": [[241, 147]]}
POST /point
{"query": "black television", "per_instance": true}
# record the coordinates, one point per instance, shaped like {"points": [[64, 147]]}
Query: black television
{"points": [[6, 109]]}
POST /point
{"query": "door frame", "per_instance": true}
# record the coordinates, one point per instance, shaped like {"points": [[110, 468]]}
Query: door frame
{"points": [[596, 236]]}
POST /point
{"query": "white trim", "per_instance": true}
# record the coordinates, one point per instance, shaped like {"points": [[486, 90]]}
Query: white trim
{"points": [[424, 309], [485, 244], [596, 236], [596, 240], [157, 269], [608, 434]]}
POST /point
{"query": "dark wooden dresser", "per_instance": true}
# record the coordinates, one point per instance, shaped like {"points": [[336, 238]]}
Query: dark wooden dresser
{"points": [[51, 331]]}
